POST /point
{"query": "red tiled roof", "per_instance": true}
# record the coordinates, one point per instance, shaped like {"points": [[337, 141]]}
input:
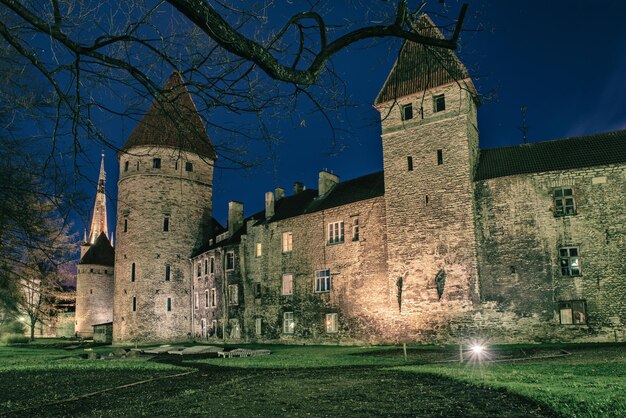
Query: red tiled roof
{"points": [[173, 121]]}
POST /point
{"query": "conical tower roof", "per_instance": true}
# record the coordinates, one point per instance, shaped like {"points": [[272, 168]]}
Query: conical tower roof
{"points": [[100, 252], [420, 67], [173, 121], [99, 217]]}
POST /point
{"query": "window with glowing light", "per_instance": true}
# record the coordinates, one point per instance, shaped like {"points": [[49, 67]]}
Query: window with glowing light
{"points": [[569, 261], [196, 302], [287, 242], [289, 324], [573, 312], [332, 324], [287, 284], [335, 232], [259, 249], [322, 281], [564, 203]]}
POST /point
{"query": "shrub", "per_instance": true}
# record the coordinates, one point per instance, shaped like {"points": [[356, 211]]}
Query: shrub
{"points": [[8, 339]]}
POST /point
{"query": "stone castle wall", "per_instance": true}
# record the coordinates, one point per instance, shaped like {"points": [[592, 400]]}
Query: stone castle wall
{"points": [[94, 298]]}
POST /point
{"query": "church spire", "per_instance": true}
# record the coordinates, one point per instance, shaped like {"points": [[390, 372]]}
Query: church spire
{"points": [[99, 220]]}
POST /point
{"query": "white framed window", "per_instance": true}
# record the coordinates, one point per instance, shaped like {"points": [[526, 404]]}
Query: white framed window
{"points": [[570, 261], [213, 297], [332, 324], [287, 288], [573, 312], [322, 281], [233, 294], [258, 322], [564, 204], [259, 249], [230, 260], [289, 324], [196, 302], [335, 232], [287, 242], [356, 229]]}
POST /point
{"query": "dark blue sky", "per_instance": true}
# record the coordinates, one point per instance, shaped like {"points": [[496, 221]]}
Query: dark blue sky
{"points": [[564, 60]]}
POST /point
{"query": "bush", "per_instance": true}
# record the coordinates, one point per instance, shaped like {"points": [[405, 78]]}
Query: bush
{"points": [[8, 339]]}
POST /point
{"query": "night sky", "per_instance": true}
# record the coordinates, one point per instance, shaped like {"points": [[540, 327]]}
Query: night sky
{"points": [[564, 60]]}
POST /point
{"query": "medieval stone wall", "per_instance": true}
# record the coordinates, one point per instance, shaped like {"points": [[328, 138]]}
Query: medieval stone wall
{"points": [[146, 196], [94, 298]]}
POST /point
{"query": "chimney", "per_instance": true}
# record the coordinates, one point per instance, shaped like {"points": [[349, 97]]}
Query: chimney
{"points": [[269, 204], [298, 187], [235, 216], [279, 193], [326, 182]]}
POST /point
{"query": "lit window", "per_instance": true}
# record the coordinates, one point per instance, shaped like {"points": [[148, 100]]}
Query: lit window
{"points": [[572, 312], [166, 224], [322, 281], [196, 301], [188, 166], [134, 304], [407, 111], [132, 272], [440, 103], [168, 305], [167, 272], [156, 163], [409, 163], [570, 261], [230, 261], [206, 298], [564, 202], [257, 290], [335, 232], [233, 294], [259, 249], [331, 323], [287, 242], [212, 265], [355, 229], [287, 284], [439, 156], [213, 297], [257, 326], [289, 324]]}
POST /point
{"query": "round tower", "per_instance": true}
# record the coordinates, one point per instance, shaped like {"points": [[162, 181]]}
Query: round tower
{"points": [[163, 215]]}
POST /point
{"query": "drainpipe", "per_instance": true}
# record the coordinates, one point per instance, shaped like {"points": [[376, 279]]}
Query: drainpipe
{"points": [[192, 294], [224, 295]]}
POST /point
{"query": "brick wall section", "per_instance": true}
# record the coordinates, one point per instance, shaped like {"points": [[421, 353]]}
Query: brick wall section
{"points": [[94, 297], [519, 239], [429, 210], [145, 196]]}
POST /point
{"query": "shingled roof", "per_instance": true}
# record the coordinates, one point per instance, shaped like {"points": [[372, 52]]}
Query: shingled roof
{"points": [[420, 67], [100, 252], [562, 154], [173, 121]]}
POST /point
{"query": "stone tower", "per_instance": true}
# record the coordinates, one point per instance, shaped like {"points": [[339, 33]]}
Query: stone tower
{"points": [[94, 281], [163, 215], [430, 147]]}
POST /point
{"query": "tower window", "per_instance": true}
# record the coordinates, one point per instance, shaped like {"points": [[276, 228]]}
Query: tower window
{"points": [[137, 166], [167, 272], [156, 163], [166, 224], [188, 166], [440, 103], [126, 166], [407, 111], [125, 225], [439, 157], [134, 304], [168, 304], [132, 272], [409, 163]]}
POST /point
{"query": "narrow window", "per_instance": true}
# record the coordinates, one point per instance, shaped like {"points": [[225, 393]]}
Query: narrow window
{"points": [[440, 103], [331, 323], [198, 270], [134, 304], [167, 272], [355, 229], [409, 163], [407, 111], [91, 291], [212, 265], [125, 225], [176, 165], [287, 284], [206, 266], [188, 166], [257, 326], [196, 300], [166, 224], [125, 166], [257, 290], [156, 163], [233, 294], [426, 200], [213, 297], [259, 249], [168, 304], [573, 312], [287, 242], [206, 298], [570, 261], [322, 281], [132, 272], [439, 157], [335, 232], [137, 166], [289, 324], [564, 203], [230, 260]]}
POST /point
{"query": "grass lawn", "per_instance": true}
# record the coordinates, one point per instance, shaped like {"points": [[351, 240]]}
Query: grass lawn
{"points": [[41, 379]]}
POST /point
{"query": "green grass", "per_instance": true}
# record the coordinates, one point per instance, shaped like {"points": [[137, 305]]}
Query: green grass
{"points": [[37, 379]]}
